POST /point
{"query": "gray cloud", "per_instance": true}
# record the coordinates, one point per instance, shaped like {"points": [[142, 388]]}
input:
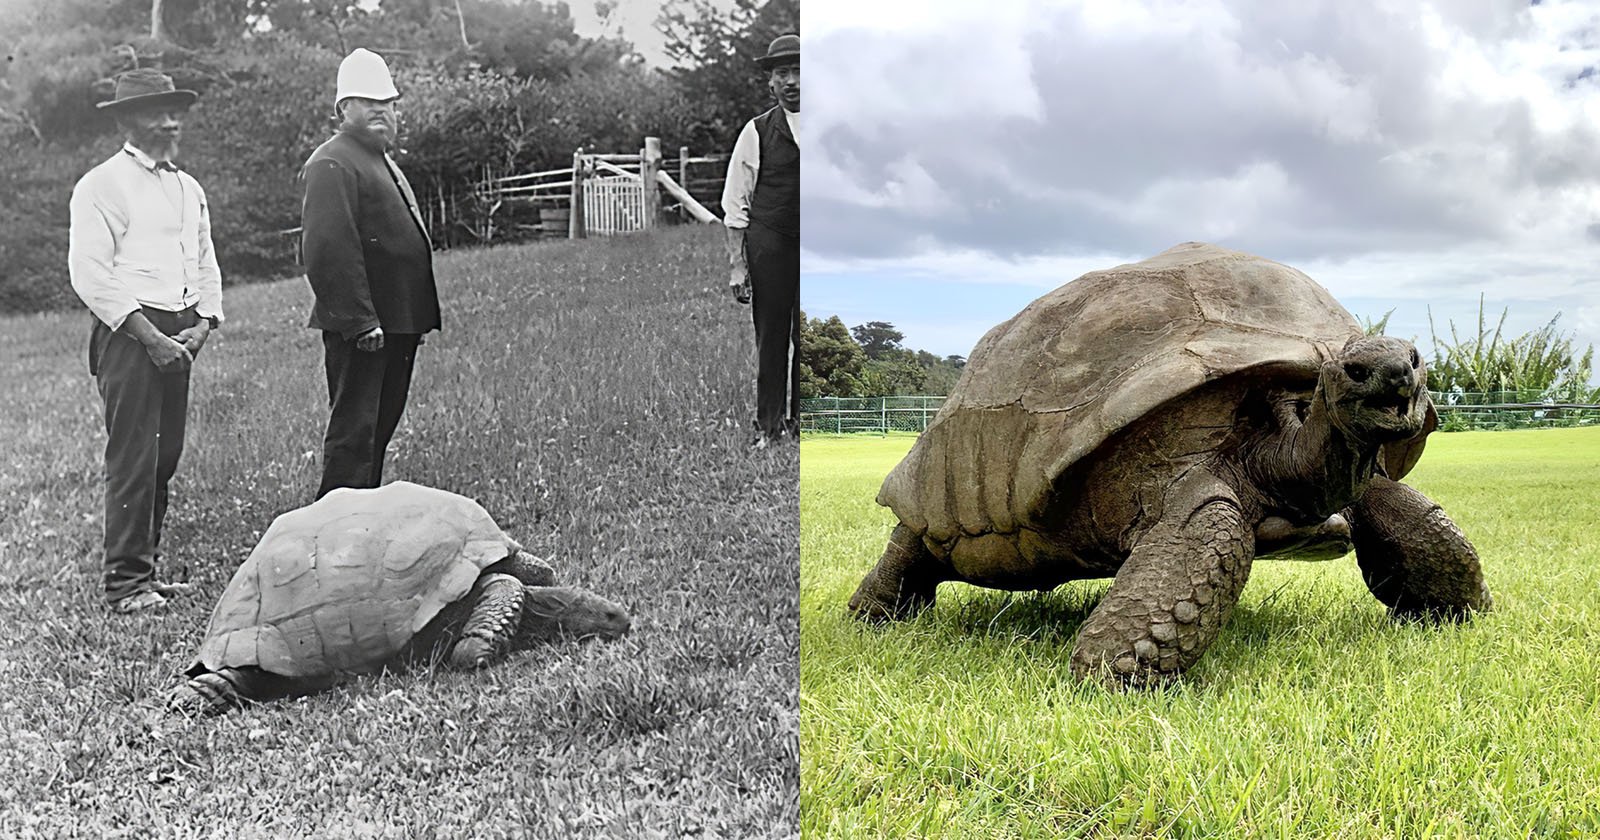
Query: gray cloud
{"points": [[1301, 131]]}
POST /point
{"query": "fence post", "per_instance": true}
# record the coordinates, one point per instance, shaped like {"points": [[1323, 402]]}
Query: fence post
{"points": [[575, 220], [683, 180], [649, 165], [883, 414]]}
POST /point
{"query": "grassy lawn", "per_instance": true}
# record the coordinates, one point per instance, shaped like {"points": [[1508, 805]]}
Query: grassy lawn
{"points": [[595, 398], [1313, 715]]}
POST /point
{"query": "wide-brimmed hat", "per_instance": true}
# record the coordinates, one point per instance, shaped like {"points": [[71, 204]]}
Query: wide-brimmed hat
{"points": [[363, 73], [784, 49], [147, 86]]}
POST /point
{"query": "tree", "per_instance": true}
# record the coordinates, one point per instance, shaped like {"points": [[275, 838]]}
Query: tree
{"points": [[831, 363], [878, 338], [893, 377], [715, 54]]}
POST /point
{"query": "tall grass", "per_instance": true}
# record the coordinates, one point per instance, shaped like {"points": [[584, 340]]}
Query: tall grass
{"points": [[1312, 716], [595, 398]]}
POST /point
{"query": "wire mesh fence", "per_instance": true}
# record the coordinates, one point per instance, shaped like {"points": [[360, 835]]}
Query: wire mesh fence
{"points": [[880, 415], [1458, 411], [1461, 411]]}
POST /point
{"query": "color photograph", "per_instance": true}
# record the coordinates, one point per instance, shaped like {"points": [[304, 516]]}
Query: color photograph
{"points": [[1199, 420]]}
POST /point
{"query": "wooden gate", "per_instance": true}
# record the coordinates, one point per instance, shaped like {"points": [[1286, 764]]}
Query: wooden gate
{"points": [[603, 194], [613, 203]]}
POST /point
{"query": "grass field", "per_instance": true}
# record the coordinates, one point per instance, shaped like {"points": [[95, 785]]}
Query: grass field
{"points": [[596, 398], [1313, 715]]}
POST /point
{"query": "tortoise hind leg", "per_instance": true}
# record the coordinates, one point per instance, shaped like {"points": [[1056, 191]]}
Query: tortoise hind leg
{"points": [[903, 583], [496, 609], [215, 692], [1173, 593], [1413, 558]]}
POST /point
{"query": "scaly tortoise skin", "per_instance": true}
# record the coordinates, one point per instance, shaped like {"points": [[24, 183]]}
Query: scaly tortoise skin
{"points": [[1165, 423], [364, 580]]}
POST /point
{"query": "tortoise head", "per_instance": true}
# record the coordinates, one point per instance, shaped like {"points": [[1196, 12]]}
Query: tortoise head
{"points": [[554, 612], [1376, 389]]}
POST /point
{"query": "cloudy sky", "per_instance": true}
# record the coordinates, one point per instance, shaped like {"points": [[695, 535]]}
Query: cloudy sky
{"points": [[963, 158]]}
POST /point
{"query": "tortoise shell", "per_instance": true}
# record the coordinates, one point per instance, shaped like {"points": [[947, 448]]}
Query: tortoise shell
{"points": [[1048, 387], [342, 584]]}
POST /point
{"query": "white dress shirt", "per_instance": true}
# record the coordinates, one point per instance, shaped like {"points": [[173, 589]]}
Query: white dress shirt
{"points": [[141, 236], [743, 167]]}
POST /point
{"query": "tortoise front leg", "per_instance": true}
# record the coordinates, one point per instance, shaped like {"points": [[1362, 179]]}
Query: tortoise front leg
{"points": [[527, 568], [1413, 558], [1173, 593], [495, 610], [903, 583]]}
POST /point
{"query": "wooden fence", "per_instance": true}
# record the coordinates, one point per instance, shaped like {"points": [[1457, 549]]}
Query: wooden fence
{"points": [[607, 191], [606, 194]]}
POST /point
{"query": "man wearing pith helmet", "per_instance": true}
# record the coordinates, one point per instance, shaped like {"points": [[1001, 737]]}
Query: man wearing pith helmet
{"points": [[140, 257], [761, 209], [370, 263]]}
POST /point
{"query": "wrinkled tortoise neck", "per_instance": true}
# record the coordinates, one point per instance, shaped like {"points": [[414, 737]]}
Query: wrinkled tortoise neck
{"points": [[1313, 461]]}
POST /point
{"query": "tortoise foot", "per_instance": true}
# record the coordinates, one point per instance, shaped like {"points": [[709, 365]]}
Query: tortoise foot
{"points": [[904, 583], [875, 603], [1413, 558], [472, 653], [1173, 593], [1117, 668]]}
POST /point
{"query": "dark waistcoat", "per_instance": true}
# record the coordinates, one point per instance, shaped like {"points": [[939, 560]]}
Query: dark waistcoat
{"points": [[776, 202]]}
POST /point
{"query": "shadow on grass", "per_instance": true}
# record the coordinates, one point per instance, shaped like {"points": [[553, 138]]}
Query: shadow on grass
{"points": [[1050, 622]]}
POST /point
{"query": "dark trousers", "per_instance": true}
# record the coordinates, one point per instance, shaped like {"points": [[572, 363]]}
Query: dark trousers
{"points": [[146, 410], [774, 261], [367, 394]]}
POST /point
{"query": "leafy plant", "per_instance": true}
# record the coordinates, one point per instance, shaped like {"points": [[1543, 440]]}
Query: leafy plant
{"points": [[1543, 362]]}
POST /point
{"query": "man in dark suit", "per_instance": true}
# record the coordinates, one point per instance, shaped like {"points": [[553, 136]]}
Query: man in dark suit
{"points": [[370, 264], [761, 209]]}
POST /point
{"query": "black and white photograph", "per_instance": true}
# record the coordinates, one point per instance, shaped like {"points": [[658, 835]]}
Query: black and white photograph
{"points": [[401, 418]]}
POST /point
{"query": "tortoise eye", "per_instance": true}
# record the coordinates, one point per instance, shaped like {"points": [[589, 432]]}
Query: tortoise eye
{"points": [[1416, 358], [1356, 371]]}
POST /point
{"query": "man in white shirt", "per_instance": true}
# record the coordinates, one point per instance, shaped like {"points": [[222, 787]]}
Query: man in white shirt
{"points": [[761, 209], [140, 258]]}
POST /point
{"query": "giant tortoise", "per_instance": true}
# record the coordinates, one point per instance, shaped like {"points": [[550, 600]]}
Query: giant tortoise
{"points": [[1165, 423], [363, 580]]}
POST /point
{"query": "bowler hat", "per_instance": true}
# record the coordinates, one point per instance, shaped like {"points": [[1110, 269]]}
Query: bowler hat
{"points": [[147, 86], [784, 49]]}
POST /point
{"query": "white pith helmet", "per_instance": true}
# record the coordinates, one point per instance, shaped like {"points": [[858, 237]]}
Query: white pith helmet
{"points": [[363, 73]]}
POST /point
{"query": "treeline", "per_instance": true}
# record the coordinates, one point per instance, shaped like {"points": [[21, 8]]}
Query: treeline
{"points": [[489, 86], [868, 360]]}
